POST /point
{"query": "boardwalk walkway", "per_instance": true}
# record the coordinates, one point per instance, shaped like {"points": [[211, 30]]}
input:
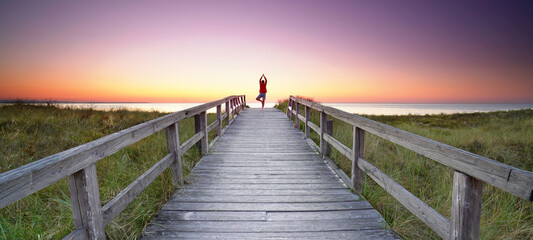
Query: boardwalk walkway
{"points": [[262, 180]]}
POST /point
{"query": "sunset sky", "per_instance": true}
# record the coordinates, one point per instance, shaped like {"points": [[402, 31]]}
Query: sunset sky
{"points": [[333, 51]]}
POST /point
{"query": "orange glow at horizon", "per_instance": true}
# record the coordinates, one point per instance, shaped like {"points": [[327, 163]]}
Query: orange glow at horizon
{"points": [[198, 51]]}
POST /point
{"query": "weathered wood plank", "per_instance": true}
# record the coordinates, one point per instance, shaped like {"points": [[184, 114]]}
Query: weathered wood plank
{"points": [[273, 226], [159, 232], [173, 144], [331, 206], [85, 198], [263, 192], [77, 234], [357, 152], [189, 143], [428, 215], [264, 199], [307, 120], [466, 207], [127, 195], [338, 145]]}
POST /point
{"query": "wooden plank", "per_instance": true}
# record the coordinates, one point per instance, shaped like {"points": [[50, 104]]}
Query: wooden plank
{"points": [[77, 234], [127, 195], [428, 215], [212, 216], [513, 180], [466, 207], [264, 199], [298, 116], [219, 120], [25, 180], [274, 226], [266, 186], [357, 152], [331, 206], [189, 143], [338, 145], [323, 129], [200, 125], [173, 144], [212, 126], [263, 192], [307, 120], [85, 198], [159, 232], [324, 215]]}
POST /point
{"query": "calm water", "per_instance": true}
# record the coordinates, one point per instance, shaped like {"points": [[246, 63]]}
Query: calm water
{"points": [[357, 108]]}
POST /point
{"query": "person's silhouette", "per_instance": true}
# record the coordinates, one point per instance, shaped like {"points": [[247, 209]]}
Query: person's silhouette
{"points": [[262, 91]]}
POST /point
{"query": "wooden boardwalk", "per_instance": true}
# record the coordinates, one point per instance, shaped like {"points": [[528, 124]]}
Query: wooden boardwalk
{"points": [[262, 180]]}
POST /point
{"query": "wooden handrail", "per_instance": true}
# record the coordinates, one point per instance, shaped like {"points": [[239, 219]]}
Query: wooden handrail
{"points": [[78, 165], [471, 169]]}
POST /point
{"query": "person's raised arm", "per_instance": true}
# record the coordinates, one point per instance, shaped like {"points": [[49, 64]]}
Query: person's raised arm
{"points": [[261, 78], [265, 78]]}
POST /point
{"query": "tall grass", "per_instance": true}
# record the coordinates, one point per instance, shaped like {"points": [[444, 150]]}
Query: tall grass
{"points": [[503, 136], [30, 132]]}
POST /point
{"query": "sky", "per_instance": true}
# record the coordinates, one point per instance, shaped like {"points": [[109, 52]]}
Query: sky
{"points": [[331, 51]]}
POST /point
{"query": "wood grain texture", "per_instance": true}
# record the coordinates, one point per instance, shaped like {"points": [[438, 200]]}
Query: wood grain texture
{"points": [[262, 179], [466, 207], [357, 152], [173, 144], [77, 234], [85, 198], [428, 215], [114, 207], [307, 120], [513, 180]]}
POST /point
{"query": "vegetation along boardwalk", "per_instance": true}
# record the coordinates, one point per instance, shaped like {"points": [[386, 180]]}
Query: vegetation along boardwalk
{"points": [[263, 180]]}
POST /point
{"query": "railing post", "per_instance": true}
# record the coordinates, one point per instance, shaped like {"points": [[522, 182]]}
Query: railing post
{"points": [[329, 130], [288, 108], [357, 152], [85, 198], [297, 123], [466, 207], [227, 112], [200, 125], [307, 120], [219, 119], [173, 143], [244, 99], [326, 126]]}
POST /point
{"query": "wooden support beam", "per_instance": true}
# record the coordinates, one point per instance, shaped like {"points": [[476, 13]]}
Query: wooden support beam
{"points": [[357, 152], [297, 122], [219, 119], [289, 109], [323, 129], [307, 120], [329, 130], [173, 143], [227, 112], [466, 207], [200, 125], [85, 197]]}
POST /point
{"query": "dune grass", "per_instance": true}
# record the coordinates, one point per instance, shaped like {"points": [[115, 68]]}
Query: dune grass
{"points": [[30, 132], [505, 136]]}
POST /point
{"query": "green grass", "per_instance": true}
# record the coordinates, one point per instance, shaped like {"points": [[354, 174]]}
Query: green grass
{"points": [[30, 132], [503, 136]]}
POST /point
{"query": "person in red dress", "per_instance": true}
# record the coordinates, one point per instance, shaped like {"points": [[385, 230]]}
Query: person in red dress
{"points": [[262, 91]]}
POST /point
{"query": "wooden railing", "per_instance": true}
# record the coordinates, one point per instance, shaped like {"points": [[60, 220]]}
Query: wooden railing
{"points": [[78, 164], [471, 170]]}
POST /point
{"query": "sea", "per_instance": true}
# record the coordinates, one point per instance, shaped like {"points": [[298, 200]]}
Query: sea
{"points": [[356, 108]]}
